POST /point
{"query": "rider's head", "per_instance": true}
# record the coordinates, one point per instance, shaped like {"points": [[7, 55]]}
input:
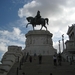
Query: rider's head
{"points": [[38, 12]]}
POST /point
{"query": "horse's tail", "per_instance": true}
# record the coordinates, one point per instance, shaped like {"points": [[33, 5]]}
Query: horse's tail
{"points": [[47, 20]]}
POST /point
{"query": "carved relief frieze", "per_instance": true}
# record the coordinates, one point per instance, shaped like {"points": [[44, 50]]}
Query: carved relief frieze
{"points": [[39, 41]]}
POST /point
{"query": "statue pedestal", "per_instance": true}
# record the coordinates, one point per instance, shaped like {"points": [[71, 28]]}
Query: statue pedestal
{"points": [[39, 42]]}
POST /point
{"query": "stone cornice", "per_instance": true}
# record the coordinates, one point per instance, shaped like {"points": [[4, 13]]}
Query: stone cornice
{"points": [[8, 60], [2, 71], [38, 32]]}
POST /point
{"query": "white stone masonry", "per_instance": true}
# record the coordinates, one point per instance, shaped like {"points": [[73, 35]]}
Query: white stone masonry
{"points": [[39, 42]]}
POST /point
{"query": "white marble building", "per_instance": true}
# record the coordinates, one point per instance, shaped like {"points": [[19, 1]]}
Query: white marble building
{"points": [[70, 44], [10, 58], [39, 42]]}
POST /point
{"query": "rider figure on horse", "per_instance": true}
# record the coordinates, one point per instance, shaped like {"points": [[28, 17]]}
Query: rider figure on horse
{"points": [[37, 20], [37, 17]]}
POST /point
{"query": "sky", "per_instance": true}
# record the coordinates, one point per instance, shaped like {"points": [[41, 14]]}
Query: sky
{"points": [[13, 13]]}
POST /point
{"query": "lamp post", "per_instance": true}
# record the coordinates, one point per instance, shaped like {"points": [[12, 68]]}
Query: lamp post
{"points": [[59, 47], [18, 59], [63, 41], [20, 65], [17, 71]]}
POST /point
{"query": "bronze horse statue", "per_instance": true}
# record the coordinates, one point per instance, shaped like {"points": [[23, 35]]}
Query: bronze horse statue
{"points": [[33, 21]]}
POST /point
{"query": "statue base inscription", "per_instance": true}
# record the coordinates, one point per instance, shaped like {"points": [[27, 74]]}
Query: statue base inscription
{"points": [[39, 42]]}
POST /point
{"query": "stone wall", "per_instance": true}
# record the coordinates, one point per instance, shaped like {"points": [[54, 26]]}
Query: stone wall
{"points": [[39, 42], [70, 44], [10, 58]]}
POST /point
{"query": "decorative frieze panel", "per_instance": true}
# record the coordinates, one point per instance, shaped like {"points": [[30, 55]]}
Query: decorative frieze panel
{"points": [[39, 41]]}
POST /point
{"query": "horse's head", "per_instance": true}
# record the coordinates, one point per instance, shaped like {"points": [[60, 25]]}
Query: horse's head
{"points": [[29, 19]]}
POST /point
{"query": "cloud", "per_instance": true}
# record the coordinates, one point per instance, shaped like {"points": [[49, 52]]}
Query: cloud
{"points": [[3, 46], [50, 8], [19, 1], [11, 38], [60, 13]]}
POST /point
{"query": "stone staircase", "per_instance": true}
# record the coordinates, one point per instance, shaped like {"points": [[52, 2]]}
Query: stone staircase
{"points": [[47, 67], [13, 70]]}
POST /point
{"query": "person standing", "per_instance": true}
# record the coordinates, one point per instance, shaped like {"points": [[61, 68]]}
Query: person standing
{"points": [[40, 59], [59, 59], [34, 56], [55, 60], [30, 58]]}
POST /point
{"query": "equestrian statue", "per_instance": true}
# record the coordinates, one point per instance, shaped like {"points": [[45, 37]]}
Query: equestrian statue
{"points": [[37, 20]]}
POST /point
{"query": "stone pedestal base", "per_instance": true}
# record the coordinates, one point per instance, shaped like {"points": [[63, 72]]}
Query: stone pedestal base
{"points": [[39, 42]]}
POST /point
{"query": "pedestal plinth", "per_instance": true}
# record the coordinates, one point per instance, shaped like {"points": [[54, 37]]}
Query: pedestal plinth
{"points": [[39, 42]]}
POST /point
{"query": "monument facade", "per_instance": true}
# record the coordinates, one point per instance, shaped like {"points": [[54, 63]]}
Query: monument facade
{"points": [[70, 44], [39, 42], [12, 56]]}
